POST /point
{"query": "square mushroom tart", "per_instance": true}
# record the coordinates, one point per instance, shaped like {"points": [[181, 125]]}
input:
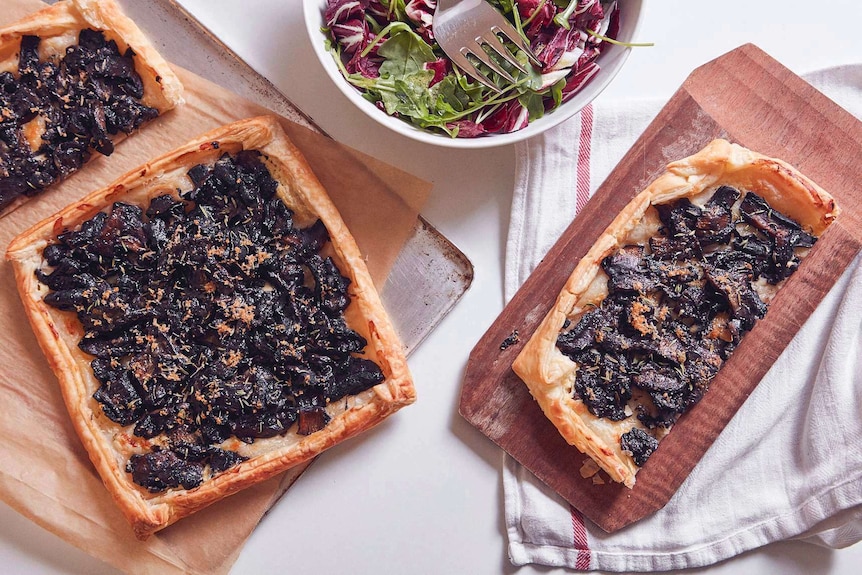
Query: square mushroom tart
{"points": [[74, 78], [211, 322], [653, 310]]}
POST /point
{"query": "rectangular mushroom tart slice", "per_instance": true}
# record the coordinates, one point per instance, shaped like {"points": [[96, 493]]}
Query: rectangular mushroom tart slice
{"points": [[664, 296], [211, 322], [74, 78]]}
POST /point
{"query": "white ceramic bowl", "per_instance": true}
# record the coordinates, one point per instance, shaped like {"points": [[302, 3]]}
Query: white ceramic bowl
{"points": [[611, 61]]}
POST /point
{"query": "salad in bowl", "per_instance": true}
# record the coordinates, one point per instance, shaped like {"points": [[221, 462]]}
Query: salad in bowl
{"points": [[385, 50]]}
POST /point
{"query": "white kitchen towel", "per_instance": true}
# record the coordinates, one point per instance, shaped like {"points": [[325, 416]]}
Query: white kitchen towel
{"points": [[787, 466]]}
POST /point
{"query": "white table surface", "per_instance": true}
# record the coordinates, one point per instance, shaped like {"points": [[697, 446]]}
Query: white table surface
{"points": [[422, 493]]}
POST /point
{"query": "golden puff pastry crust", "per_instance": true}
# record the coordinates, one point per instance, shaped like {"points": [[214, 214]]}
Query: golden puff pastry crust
{"points": [[110, 444], [58, 27], [550, 375]]}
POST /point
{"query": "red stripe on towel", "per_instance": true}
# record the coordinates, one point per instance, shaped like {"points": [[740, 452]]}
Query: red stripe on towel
{"points": [[579, 530], [583, 167], [582, 191]]}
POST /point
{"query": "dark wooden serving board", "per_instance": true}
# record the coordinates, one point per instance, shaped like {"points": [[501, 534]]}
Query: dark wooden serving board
{"points": [[746, 97]]}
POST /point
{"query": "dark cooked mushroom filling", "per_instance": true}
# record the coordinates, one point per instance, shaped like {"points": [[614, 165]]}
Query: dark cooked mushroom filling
{"points": [[209, 316], [55, 111], [677, 308]]}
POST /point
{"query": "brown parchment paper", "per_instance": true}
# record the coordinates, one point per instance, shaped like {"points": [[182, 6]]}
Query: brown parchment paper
{"points": [[45, 473]]}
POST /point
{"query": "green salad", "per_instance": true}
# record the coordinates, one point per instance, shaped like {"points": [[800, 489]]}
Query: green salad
{"points": [[386, 50]]}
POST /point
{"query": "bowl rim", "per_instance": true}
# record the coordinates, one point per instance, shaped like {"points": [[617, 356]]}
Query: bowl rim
{"points": [[313, 13]]}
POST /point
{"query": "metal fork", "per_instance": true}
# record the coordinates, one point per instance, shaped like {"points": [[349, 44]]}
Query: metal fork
{"points": [[464, 28]]}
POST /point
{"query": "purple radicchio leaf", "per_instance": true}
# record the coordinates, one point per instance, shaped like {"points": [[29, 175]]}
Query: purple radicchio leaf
{"points": [[343, 10], [588, 15], [467, 128], [511, 116], [368, 66], [421, 13], [579, 80], [378, 10], [611, 22], [544, 18], [441, 67], [591, 52], [352, 35], [561, 42], [351, 31]]}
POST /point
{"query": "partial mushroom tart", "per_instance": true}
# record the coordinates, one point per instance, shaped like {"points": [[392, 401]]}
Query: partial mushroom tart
{"points": [[75, 77], [211, 322], [660, 302]]}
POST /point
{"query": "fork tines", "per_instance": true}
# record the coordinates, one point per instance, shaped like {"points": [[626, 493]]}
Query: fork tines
{"points": [[491, 40]]}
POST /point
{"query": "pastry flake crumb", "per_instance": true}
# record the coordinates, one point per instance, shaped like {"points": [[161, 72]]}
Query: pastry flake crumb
{"points": [[589, 468]]}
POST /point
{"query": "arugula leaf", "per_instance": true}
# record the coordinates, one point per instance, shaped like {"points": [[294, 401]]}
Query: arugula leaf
{"points": [[450, 96], [475, 90], [462, 95], [534, 75], [557, 91], [533, 103], [410, 96], [405, 53]]}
